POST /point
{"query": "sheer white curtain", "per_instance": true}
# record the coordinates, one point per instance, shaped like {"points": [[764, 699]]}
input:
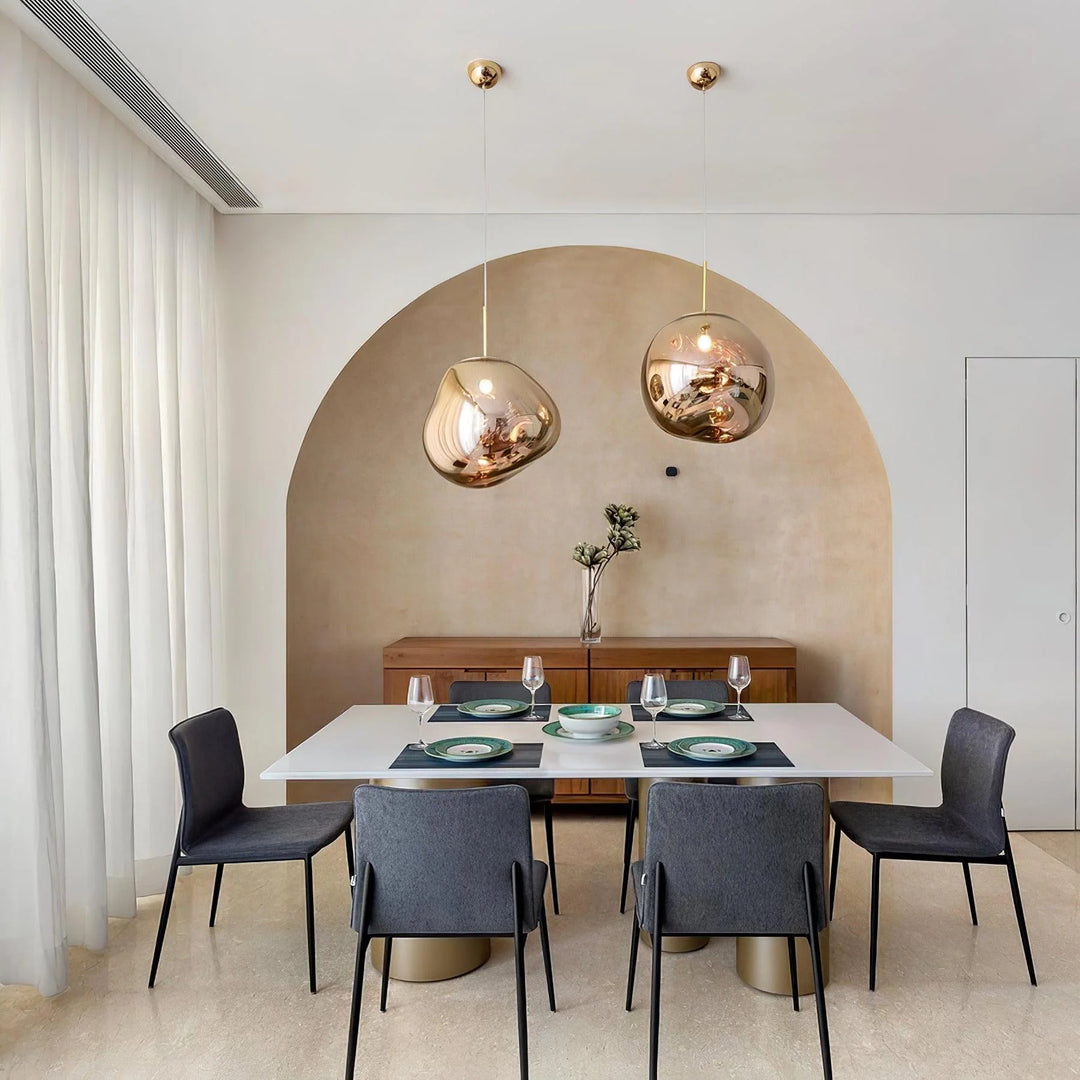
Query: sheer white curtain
{"points": [[109, 587]]}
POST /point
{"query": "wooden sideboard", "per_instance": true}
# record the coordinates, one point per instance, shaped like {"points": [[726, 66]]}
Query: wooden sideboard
{"points": [[577, 672]]}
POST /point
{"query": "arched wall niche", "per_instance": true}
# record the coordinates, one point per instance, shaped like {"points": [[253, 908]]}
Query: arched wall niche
{"points": [[787, 533]]}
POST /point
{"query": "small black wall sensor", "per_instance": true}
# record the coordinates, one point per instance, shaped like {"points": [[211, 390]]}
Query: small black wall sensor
{"points": [[671, 470]]}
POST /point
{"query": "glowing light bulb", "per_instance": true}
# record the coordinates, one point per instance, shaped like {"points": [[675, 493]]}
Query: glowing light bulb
{"points": [[704, 341], [485, 386]]}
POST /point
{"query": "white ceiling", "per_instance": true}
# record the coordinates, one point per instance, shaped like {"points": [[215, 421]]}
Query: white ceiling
{"points": [[827, 106]]}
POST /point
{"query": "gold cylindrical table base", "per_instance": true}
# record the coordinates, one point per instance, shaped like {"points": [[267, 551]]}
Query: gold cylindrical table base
{"points": [[431, 959], [762, 962], [671, 944]]}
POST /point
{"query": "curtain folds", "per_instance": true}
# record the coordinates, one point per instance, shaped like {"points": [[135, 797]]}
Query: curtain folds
{"points": [[109, 551]]}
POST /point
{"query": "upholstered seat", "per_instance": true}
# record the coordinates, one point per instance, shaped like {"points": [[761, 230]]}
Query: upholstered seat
{"points": [[910, 830], [272, 833]]}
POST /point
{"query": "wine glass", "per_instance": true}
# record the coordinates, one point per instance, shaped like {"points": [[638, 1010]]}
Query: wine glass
{"points": [[653, 701], [738, 678], [420, 699], [532, 678]]}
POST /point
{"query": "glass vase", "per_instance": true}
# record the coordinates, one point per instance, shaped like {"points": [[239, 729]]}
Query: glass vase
{"points": [[590, 605]]}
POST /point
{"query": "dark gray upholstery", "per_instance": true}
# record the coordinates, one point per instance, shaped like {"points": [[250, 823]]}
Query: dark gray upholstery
{"points": [[272, 833], [968, 823], [442, 860], [215, 825], [707, 689], [733, 858], [540, 791]]}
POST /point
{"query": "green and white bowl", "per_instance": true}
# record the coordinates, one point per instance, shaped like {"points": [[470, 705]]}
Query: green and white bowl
{"points": [[621, 730], [711, 748], [589, 720], [467, 748]]}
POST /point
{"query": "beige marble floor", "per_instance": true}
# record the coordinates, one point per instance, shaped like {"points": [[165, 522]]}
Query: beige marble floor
{"points": [[953, 1001]]}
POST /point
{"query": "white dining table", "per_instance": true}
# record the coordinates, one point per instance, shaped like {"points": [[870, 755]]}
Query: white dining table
{"points": [[822, 740]]}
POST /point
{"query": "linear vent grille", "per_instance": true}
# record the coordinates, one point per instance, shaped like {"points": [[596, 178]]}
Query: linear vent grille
{"points": [[68, 23]]}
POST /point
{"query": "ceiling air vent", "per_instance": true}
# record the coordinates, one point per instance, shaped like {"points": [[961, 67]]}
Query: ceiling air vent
{"points": [[87, 42]]}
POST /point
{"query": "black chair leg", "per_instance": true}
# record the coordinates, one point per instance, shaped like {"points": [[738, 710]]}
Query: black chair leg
{"points": [[1018, 907], [551, 858], [793, 971], [875, 891], [388, 948], [166, 904], [519, 972], [657, 952], [815, 959], [970, 895], [354, 1007], [349, 855], [217, 891], [628, 844], [835, 869], [632, 970], [545, 948], [309, 894]]}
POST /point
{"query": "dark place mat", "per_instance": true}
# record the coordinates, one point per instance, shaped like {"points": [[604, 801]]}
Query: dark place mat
{"points": [[642, 717], [524, 756], [767, 756], [450, 714]]}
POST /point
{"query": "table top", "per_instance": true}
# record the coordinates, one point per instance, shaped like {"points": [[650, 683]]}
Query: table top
{"points": [[820, 739]]}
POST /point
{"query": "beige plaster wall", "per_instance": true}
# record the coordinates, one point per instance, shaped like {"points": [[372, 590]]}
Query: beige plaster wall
{"points": [[785, 534]]}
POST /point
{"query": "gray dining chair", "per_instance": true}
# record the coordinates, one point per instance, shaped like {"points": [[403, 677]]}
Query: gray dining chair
{"points": [[709, 690], [451, 862], [541, 792], [968, 827], [217, 828], [759, 874]]}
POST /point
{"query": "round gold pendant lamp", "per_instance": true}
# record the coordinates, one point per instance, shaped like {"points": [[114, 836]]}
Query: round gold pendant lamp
{"points": [[489, 418], [706, 376]]}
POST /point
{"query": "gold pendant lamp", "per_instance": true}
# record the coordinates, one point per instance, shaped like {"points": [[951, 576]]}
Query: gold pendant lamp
{"points": [[707, 376], [489, 418]]}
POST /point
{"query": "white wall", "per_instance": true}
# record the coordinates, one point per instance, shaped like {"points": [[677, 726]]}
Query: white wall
{"points": [[895, 302]]}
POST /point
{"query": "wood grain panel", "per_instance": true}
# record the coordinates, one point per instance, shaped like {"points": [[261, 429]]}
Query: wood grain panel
{"points": [[490, 653]]}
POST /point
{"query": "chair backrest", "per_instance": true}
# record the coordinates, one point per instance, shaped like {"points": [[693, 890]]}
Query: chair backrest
{"points": [[708, 689], [733, 857], [442, 860], [464, 690], [211, 771], [973, 773]]}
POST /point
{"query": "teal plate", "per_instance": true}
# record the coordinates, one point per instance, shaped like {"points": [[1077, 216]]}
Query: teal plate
{"points": [[486, 708], [692, 708], [590, 710], [711, 748], [619, 732], [468, 748]]}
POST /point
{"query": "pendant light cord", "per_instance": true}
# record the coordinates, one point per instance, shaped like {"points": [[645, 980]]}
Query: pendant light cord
{"points": [[704, 205], [483, 160]]}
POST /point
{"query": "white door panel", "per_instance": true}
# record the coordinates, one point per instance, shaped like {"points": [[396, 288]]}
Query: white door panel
{"points": [[1021, 567]]}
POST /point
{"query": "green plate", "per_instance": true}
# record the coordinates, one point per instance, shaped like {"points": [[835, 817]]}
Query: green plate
{"points": [[621, 731], [590, 710], [685, 708], [490, 708], [467, 748], [711, 748]]}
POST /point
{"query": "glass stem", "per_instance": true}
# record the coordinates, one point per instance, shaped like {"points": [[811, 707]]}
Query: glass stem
{"points": [[532, 705], [653, 727], [420, 728], [738, 702]]}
